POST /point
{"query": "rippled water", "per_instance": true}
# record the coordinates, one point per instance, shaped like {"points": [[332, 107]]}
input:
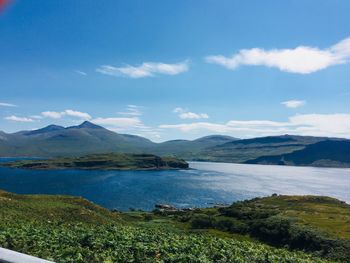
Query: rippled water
{"points": [[205, 184]]}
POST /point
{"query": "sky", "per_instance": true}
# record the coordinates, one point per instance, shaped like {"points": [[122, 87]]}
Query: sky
{"points": [[177, 69]]}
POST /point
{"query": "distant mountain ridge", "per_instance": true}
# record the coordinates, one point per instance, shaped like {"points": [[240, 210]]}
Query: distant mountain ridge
{"points": [[89, 138], [71, 141], [328, 153]]}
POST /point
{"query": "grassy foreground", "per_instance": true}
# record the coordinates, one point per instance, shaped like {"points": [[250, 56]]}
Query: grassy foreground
{"points": [[70, 229]]}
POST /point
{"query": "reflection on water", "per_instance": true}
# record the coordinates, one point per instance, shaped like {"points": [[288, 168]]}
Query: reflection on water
{"points": [[208, 183], [267, 179]]}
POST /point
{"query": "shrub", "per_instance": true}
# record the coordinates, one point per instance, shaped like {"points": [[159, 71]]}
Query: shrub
{"points": [[201, 221], [230, 224]]}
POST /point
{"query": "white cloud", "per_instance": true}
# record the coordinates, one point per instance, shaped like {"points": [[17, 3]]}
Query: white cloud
{"points": [[18, 119], [52, 114], [332, 125], [293, 103], [302, 59], [80, 72], [4, 104], [323, 124], [72, 113], [146, 69], [77, 114], [192, 115], [185, 114], [37, 117]]}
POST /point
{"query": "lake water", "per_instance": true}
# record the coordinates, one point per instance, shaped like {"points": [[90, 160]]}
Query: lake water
{"points": [[205, 184]]}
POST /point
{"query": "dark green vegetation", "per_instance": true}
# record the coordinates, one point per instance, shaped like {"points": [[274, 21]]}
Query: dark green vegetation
{"points": [[88, 138], [70, 229], [112, 161], [318, 225]]}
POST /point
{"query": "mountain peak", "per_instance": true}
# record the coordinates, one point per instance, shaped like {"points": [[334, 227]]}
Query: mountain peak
{"points": [[88, 125], [216, 137], [50, 128]]}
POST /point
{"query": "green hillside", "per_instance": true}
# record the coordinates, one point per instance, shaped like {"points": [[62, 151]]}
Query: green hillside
{"points": [[325, 153], [71, 229]]}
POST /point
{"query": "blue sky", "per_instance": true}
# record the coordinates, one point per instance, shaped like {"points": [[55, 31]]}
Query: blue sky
{"points": [[177, 69]]}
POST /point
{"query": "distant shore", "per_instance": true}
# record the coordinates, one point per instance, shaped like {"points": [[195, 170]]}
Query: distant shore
{"points": [[140, 162]]}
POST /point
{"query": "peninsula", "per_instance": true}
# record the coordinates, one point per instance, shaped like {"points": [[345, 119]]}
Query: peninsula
{"points": [[111, 161]]}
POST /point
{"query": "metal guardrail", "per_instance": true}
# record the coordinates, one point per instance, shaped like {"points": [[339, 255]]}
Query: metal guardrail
{"points": [[9, 256]]}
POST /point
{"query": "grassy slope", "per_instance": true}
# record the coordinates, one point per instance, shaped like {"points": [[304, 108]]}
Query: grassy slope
{"points": [[112, 161], [327, 214], [69, 229], [55, 208], [312, 223]]}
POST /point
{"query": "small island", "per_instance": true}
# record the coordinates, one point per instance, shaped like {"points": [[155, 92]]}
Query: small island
{"points": [[110, 161]]}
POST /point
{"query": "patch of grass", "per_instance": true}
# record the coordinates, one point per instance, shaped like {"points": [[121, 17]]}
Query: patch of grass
{"points": [[327, 214]]}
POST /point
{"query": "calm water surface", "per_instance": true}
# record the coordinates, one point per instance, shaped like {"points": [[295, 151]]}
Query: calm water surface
{"points": [[206, 184]]}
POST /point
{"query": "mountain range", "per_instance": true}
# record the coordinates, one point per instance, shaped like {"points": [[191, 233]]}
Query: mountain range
{"points": [[88, 138]]}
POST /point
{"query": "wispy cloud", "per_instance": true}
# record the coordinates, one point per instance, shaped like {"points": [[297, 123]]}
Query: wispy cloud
{"points": [[131, 125], [19, 119], [302, 59], [36, 117], [72, 113], [117, 122], [129, 122], [185, 114], [146, 69], [131, 110], [4, 104], [336, 125], [293, 103], [80, 72]]}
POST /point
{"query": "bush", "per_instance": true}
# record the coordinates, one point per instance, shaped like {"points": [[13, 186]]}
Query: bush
{"points": [[201, 221], [274, 230], [230, 224], [148, 217]]}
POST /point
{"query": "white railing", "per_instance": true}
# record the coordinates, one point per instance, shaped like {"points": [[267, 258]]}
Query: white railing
{"points": [[9, 256]]}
